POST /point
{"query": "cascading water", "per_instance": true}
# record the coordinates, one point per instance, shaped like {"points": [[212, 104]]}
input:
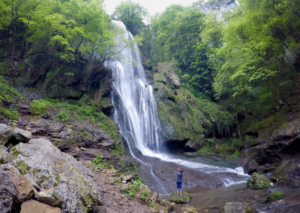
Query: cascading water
{"points": [[136, 113]]}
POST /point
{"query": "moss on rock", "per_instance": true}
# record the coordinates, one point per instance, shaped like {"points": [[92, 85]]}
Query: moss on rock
{"points": [[257, 181], [276, 195], [23, 167], [185, 116], [184, 198]]}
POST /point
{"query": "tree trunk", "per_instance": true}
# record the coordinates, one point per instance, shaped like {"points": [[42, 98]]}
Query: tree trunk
{"points": [[281, 92], [13, 69], [81, 40], [237, 121]]}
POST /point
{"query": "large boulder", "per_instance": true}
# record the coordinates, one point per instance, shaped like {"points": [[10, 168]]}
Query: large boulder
{"points": [[5, 134], [73, 187], [257, 181], [7, 192], [194, 144], [251, 167], [237, 207], [33, 206], [22, 185], [21, 135]]}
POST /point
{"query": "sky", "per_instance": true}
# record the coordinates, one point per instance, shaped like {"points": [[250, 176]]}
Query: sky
{"points": [[153, 6]]}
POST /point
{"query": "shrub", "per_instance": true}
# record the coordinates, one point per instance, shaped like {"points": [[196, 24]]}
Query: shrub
{"points": [[63, 116], [38, 107]]}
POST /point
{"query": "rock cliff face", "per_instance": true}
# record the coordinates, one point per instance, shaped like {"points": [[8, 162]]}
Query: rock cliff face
{"points": [[218, 5], [277, 150], [184, 116]]}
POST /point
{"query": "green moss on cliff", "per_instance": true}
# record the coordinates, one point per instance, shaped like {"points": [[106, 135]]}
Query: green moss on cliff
{"points": [[187, 116], [7, 93]]}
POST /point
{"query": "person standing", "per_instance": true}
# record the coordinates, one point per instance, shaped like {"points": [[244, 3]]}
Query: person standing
{"points": [[179, 173]]}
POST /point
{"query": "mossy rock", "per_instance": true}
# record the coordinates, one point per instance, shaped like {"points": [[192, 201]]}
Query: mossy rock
{"points": [[257, 181], [276, 195], [184, 198]]}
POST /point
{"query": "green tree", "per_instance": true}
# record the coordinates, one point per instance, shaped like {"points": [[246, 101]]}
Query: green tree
{"points": [[132, 15]]}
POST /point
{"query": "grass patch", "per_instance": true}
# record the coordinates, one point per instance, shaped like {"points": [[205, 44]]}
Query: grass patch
{"points": [[99, 162], [206, 149]]}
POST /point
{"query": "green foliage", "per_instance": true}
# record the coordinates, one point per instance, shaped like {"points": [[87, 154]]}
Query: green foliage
{"points": [[145, 194], [8, 93], [244, 61], [99, 162], [63, 116], [98, 159], [136, 185], [116, 180], [40, 106], [151, 204], [131, 14], [131, 192]]}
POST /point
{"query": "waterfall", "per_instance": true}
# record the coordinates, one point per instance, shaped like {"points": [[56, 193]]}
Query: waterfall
{"points": [[136, 113], [132, 96]]}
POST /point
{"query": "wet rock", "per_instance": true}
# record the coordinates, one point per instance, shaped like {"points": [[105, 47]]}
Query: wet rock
{"points": [[276, 195], [21, 135], [50, 168], [251, 167], [127, 178], [277, 204], [22, 185], [5, 133], [184, 198], [107, 106], [7, 192], [257, 181], [237, 207], [190, 154], [33, 206], [192, 145], [189, 209]]}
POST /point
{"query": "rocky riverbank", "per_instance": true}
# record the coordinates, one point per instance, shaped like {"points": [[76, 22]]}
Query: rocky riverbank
{"points": [[37, 177]]}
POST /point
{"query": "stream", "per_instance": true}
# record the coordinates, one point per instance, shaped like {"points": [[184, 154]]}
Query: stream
{"points": [[136, 115]]}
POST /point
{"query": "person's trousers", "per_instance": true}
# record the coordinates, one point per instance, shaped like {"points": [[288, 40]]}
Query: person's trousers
{"points": [[179, 184]]}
